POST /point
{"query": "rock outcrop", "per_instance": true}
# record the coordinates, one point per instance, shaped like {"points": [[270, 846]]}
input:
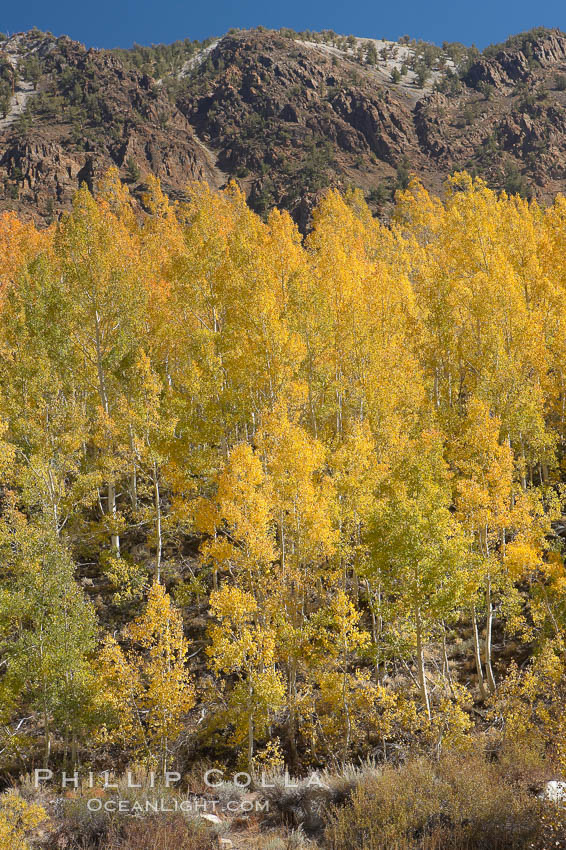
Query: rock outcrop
{"points": [[285, 118]]}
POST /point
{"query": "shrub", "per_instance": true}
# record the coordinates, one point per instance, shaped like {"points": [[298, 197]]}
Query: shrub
{"points": [[132, 170], [422, 75], [302, 805], [5, 102], [17, 819], [515, 183], [486, 89], [379, 195], [163, 832], [403, 175], [109, 830], [457, 802]]}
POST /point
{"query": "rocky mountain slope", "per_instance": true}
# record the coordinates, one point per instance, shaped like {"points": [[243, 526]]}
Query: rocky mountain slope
{"points": [[285, 114]]}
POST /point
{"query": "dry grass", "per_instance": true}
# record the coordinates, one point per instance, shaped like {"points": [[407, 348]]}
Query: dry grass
{"points": [[460, 802], [159, 833], [483, 799]]}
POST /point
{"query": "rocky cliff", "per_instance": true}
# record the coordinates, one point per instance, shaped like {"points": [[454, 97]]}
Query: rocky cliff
{"points": [[285, 115]]}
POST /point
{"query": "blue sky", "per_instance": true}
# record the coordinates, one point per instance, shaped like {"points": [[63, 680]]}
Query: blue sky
{"points": [[110, 23]]}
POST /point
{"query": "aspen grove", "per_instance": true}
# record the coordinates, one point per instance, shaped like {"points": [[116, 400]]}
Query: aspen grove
{"points": [[281, 500]]}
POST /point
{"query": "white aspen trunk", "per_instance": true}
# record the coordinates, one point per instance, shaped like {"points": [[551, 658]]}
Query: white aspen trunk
{"points": [[477, 650], [373, 626], [157, 524], [292, 696], [309, 384], [134, 475], [488, 636], [523, 472], [53, 498], [215, 575], [345, 705], [446, 663], [421, 673], [484, 534], [250, 732], [282, 543], [111, 508], [111, 501]]}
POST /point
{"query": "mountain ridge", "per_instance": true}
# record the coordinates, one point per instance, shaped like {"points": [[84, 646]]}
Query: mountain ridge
{"points": [[286, 116]]}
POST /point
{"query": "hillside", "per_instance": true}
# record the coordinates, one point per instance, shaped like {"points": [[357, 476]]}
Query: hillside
{"points": [[285, 114], [270, 504], [282, 494]]}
